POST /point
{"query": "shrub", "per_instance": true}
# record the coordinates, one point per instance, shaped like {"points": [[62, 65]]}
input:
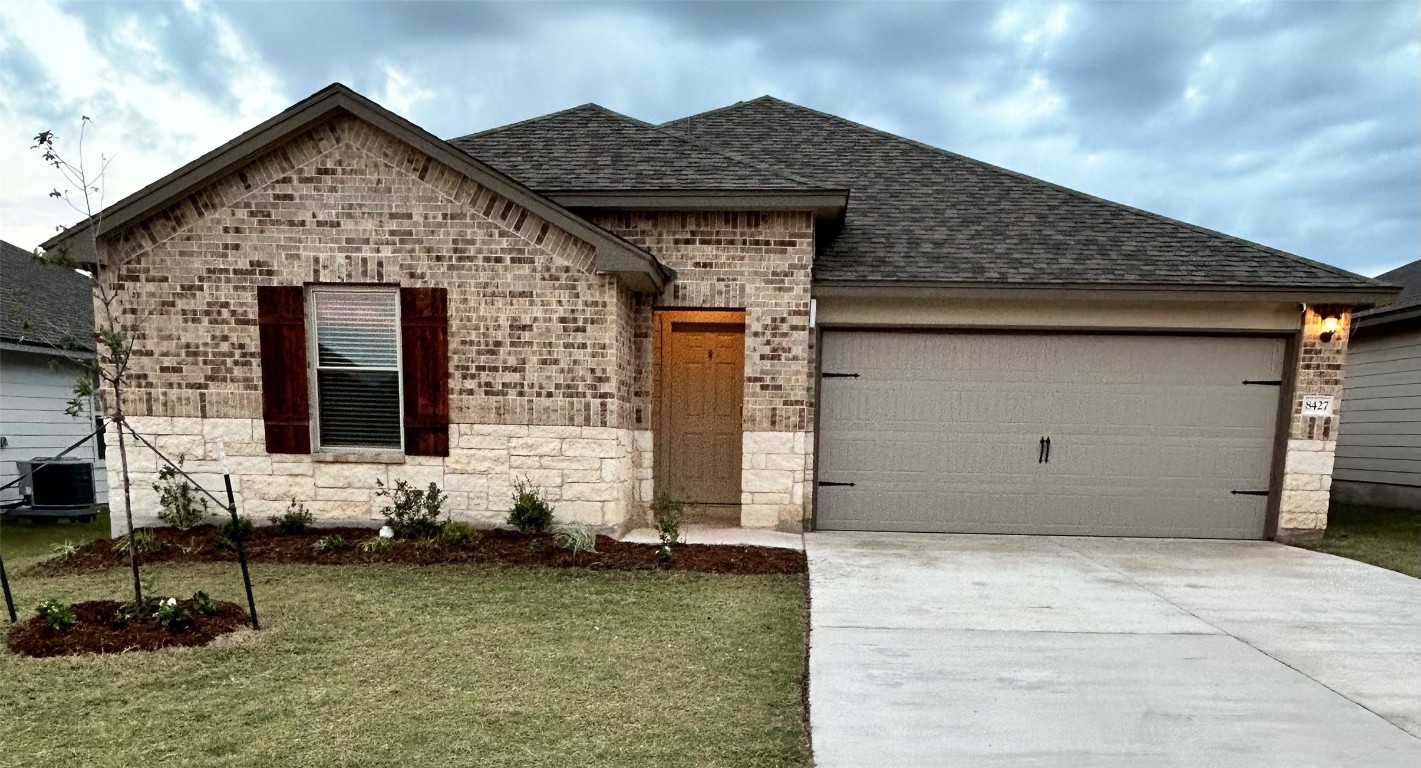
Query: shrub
{"points": [[64, 551], [666, 513], [530, 513], [328, 543], [172, 615], [57, 614], [183, 506], [412, 513], [232, 533], [131, 611], [376, 543], [458, 534], [203, 602], [575, 537], [145, 541], [296, 519]]}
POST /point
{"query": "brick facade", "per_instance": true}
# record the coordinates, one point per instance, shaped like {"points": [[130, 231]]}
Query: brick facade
{"points": [[760, 262], [1312, 440]]}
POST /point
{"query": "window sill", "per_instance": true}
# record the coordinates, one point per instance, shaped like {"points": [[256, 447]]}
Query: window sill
{"points": [[358, 457]]}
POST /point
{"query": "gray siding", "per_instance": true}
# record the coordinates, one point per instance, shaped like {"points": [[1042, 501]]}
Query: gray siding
{"points": [[32, 420], [1379, 440]]}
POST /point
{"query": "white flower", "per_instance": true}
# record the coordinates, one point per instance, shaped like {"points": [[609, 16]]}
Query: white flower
{"points": [[386, 532], [172, 601]]}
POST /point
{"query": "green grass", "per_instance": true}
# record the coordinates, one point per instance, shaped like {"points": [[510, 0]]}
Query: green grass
{"points": [[441, 665], [24, 539], [1382, 536]]}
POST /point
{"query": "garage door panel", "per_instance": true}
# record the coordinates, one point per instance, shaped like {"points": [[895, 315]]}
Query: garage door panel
{"points": [[1150, 434]]}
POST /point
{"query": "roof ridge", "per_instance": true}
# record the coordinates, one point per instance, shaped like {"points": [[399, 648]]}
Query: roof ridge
{"points": [[1074, 192], [725, 108], [539, 118]]}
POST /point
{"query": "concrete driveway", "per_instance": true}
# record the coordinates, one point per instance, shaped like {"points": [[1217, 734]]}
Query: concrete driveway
{"points": [[944, 650]]}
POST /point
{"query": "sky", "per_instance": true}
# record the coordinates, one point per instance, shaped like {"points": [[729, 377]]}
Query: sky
{"points": [[1293, 124]]}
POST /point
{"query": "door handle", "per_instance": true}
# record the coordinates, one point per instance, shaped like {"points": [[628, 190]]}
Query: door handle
{"points": [[1048, 450], [1041, 452]]}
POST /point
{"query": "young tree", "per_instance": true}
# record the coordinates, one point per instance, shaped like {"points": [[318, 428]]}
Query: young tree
{"points": [[105, 376]]}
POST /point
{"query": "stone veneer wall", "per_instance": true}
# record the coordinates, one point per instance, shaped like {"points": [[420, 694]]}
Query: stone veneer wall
{"points": [[590, 474], [541, 359], [760, 262], [1312, 440]]}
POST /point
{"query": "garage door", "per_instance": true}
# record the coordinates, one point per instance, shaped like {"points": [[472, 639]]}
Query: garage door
{"points": [[1148, 435]]}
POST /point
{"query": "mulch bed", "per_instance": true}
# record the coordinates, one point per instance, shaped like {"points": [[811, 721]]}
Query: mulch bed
{"points": [[198, 545], [97, 632]]}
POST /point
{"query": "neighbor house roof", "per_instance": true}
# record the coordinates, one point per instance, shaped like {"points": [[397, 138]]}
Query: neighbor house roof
{"points": [[43, 307], [1408, 303], [920, 214], [613, 254]]}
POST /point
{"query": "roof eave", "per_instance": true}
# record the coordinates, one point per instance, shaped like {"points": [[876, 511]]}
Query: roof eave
{"points": [[321, 106], [1358, 297]]}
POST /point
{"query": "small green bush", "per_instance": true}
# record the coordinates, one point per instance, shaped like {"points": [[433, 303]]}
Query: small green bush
{"points": [[530, 513], [145, 541], [328, 543], [458, 534], [172, 615], [64, 551], [183, 505], [296, 519], [232, 533], [57, 614], [203, 602], [412, 513], [666, 513], [575, 537], [376, 543]]}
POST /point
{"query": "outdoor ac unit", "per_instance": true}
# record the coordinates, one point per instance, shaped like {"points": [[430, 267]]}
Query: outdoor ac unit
{"points": [[61, 483]]}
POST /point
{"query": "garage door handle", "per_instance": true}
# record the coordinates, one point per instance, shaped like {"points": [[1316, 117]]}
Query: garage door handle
{"points": [[828, 484], [1044, 456]]}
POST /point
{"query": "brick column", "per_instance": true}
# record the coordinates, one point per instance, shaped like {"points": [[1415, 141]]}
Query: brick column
{"points": [[1312, 440]]}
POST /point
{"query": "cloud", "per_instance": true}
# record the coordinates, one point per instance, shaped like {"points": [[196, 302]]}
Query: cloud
{"points": [[151, 112], [1294, 124]]}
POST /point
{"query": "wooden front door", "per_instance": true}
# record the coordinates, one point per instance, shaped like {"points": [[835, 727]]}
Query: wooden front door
{"points": [[702, 388]]}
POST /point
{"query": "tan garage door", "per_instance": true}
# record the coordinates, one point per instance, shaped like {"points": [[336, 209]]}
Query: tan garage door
{"points": [[1149, 435]]}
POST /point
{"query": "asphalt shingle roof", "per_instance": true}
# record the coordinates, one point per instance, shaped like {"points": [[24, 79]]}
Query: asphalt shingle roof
{"points": [[1408, 276], [920, 214], [43, 306], [590, 148]]}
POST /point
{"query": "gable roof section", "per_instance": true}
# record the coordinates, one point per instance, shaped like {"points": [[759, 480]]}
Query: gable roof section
{"points": [[43, 307], [924, 216], [590, 156], [613, 254]]}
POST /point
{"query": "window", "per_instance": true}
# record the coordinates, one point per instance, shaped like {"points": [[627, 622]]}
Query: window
{"points": [[355, 359]]}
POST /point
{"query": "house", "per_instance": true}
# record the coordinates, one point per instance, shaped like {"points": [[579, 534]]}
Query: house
{"points": [[1379, 440], [763, 310], [46, 322]]}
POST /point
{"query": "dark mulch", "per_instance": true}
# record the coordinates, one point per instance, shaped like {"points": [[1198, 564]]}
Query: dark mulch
{"points": [[198, 545], [96, 631]]}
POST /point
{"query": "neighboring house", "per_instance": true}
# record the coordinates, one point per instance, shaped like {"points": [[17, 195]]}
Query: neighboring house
{"points": [[762, 309], [46, 324], [1379, 441]]}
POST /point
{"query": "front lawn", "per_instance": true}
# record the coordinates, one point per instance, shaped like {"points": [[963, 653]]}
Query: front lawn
{"points": [[385, 665], [1383, 536]]}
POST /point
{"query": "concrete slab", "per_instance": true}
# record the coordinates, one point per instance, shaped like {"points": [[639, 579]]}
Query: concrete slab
{"points": [[967, 698], [706, 534], [1013, 650]]}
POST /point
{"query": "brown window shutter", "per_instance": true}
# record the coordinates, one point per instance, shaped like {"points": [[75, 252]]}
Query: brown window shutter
{"points": [[286, 400], [424, 343]]}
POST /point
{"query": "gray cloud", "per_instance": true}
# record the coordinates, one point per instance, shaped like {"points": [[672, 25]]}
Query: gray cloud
{"points": [[1295, 124]]}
